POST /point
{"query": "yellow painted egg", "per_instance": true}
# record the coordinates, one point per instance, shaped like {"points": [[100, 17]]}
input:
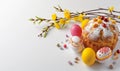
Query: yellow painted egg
{"points": [[88, 56], [84, 23]]}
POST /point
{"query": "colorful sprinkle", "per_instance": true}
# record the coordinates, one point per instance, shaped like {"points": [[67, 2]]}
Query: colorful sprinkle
{"points": [[114, 63], [106, 20], [110, 66], [102, 17], [58, 45], [99, 17], [95, 25], [99, 21], [115, 53], [115, 57], [66, 40], [113, 22], [95, 20], [65, 46], [118, 51], [61, 48], [104, 25], [77, 59], [70, 63], [67, 36]]}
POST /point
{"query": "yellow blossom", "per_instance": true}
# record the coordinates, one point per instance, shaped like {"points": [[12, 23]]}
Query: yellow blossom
{"points": [[110, 9], [67, 14], [118, 17], [76, 18], [84, 23], [57, 25], [54, 16], [67, 21], [81, 17], [62, 21]]}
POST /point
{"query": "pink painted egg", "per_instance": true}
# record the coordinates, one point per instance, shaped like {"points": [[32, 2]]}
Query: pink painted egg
{"points": [[76, 30]]}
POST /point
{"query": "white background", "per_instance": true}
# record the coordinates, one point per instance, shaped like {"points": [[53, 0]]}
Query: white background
{"points": [[22, 50]]}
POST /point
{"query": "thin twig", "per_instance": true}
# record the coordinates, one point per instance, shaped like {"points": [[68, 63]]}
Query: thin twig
{"points": [[45, 31], [88, 14]]}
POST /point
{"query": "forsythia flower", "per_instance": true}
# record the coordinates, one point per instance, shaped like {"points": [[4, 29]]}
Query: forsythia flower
{"points": [[67, 21], [118, 17], [62, 21], [67, 14], [84, 23], [81, 17], [57, 25], [110, 9], [76, 18], [54, 17]]}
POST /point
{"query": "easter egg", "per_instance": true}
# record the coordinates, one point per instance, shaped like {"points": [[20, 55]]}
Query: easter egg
{"points": [[76, 30], [75, 39], [88, 56], [103, 54], [84, 23]]}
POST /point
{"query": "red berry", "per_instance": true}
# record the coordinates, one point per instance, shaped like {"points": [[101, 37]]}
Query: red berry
{"points": [[102, 17], [106, 20], [65, 46], [118, 51], [104, 25]]}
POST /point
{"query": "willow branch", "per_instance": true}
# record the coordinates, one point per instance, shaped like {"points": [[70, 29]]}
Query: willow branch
{"points": [[115, 15], [45, 30]]}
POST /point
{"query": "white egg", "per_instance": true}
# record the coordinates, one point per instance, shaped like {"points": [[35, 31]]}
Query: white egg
{"points": [[104, 54], [75, 39]]}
